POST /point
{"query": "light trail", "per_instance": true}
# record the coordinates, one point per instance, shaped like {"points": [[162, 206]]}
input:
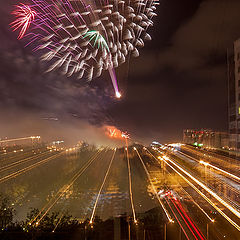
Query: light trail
{"points": [[203, 211], [26, 169], [183, 218], [82, 170], [207, 164], [202, 194], [6, 156], [211, 219], [130, 185], [188, 156], [233, 210], [226, 183], [153, 187], [179, 223], [231, 163], [221, 181], [205, 197], [17, 163], [223, 202], [100, 190], [189, 219], [220, 170], [19, 139], [59, 220], [63, 190]]}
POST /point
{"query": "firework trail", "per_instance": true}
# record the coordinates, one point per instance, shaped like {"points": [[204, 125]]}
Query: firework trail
{"points": [[86, 37]]}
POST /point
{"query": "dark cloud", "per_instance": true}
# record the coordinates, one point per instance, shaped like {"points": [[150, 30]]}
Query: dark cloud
{"points": [[180, 81], [210, 31]]}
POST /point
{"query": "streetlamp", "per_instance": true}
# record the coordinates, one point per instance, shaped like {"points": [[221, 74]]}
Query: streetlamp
{"points": [[165, 231]]}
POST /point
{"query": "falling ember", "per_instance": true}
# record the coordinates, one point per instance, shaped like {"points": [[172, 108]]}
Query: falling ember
{"points": [[118, 95], [25, 15]]}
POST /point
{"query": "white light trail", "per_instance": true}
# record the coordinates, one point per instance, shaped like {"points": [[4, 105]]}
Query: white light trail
{"points": [[63, 190], [203, 211], [207, 164], [19, 139], [220, 170], [130, 186], [59, 220], [24, 160], [100, 190], [205, 197], [202, 194], [21, 171], [228, 206], [153, 187], [212, 220]]}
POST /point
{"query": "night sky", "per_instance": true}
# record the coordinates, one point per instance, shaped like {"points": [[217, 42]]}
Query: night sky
{"points": [[178, 81]]}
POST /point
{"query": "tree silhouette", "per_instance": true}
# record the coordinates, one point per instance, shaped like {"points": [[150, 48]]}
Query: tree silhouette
{"points": [[6, 211]]}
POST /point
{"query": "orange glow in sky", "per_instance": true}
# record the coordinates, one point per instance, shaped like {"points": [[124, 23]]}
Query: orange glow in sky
{"points": [[113, 132]]}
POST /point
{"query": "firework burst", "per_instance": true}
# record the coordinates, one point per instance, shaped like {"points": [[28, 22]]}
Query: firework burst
{"points": [[25, 15], [86, 37]]}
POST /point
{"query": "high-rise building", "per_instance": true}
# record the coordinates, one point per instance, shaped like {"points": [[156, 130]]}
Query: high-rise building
{"points": [[206, 138], [234, 95]]}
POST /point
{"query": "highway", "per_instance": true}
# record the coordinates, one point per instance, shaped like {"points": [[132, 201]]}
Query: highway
{"points": [[195, 191], [208, 181]]}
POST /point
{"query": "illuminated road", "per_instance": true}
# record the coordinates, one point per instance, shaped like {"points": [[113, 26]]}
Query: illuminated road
{"points": [[196, 193], [206, 178], [38, 177]]}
